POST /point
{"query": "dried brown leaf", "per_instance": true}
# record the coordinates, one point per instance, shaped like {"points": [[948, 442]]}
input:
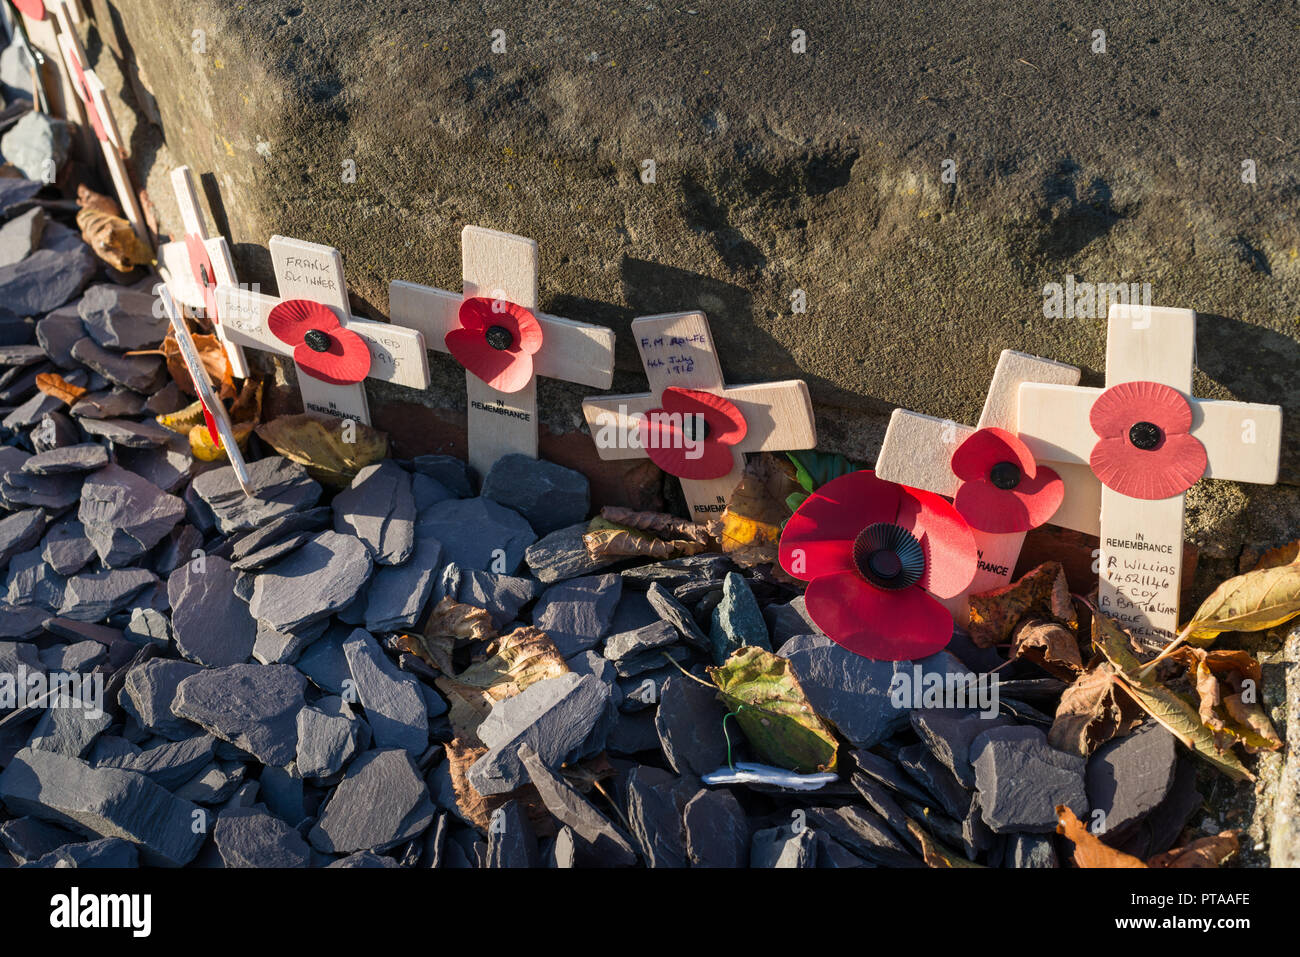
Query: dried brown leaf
{"points": [[606, 541], [1089, 850], [661, 523], [213, 355], [87, 198], [1276, 557], [1203, 852], [247, 406], [57, 387], [1227, 684], [112, 239], [478, 808], [1093, 710], [316, 442], [1050, 645], [1043, 593]]}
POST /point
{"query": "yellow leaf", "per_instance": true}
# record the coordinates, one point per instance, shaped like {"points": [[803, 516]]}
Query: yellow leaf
{"points": [[317, 442], [1255, 601]]}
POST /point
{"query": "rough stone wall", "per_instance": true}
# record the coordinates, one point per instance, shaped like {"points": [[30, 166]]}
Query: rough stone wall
{"points": [[775, 171]]}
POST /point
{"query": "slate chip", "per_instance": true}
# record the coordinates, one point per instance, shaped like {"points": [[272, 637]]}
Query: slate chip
{"points": [[737, 620], [675, 613], [57, 333], [143, 374], [252, 837], [19, 532], [717, 833], [280, 487], [783, 847], [502, 596], [479, 533], [577, 613], [106, 801], [656, 801], [108, 852], [595, 840], [254, 707], [46, 279], [379, 509], [949, 733], [319, 578], [121, 318], [86, 457], [397, 594], [93, 596], [202, 593], [549, 496], [1021, 779], [511, 839], [1128, 777], [329, 736], [124, 515], [380, 803], [689, 720], [53, 492], [562, 554], [395, 708]]}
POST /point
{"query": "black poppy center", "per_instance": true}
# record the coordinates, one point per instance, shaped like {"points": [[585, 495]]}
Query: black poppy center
{"points": [[888, 556], [695, 428], [1005, 475], [499, 337], [203, 275], [1145, 435], [317, 341]]}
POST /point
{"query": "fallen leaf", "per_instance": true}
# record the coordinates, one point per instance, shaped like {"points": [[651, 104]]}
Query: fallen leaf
{"points": [[1282, 555], [1050, 645], [1255, 601], [1090, 850], [57, 387], [182, 420], [770, 707], [213, 355], [247, 406], [316, 442], [478, 808], [1180, 717], [205, 450], [749, 529], [1093, 710], [450, 622], [87, 198], [605, 540], [112, 239], [935, 854], [1228, 686], [660, 523], [1043, 593], [1203, 852]]}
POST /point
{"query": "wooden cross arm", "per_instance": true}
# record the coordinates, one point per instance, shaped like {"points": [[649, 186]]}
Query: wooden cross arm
{"points": [[917, 451], [611, 416], [573, 351], [1243, 440], [397, 355], [778, 415]]}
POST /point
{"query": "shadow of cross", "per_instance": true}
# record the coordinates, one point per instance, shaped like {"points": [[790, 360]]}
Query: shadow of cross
{"points": [[1148, 441], [918, 451], [500, 289], [313, 325], [678, 354], [193, 268], [94, 104]]}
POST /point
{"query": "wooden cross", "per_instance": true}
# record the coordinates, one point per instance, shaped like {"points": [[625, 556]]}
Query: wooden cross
{"points": [[1142, 538], [677, 351], [196, 266], [99, 114], [308, 273], [503, 268], [918, 449]]}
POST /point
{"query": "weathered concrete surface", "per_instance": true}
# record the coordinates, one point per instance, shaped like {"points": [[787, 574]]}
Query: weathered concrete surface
{"points": [[775, 171]]}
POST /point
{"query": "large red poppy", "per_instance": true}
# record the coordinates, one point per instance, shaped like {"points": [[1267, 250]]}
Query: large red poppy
{"points": [[322, 347], [668, 434], [1146, 449], [1003, 488], [496, 340], [877, 556]]}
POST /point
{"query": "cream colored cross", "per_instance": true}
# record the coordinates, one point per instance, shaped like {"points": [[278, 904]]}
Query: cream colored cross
{"points": [[315, 273], [1142, 540], [178, 270], [501, 266], [918, 449], [677, 351]]}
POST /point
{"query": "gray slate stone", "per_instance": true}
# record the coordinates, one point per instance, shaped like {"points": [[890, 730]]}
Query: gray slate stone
{"points": [[1021, 779], [280, 487], [148, 693], [37, 146], [21, 236], [689, 720], [169, 765], [201, 595], [1033, 850], [717, 833], [68, 731], [120, 318], [124, 515], [676, 614], [577, 613], [143, 374], [647, 638], [737, 620], [1128, 777], [65, 547], [379, 508], [596, 841], [395, 708], [57, 333], [655, 803], [254, 707], [329, 736], [511, 839], [782, 847], [252, 837], [448, 471], [32, 582], [104, 801], [502, 596], [562, 554], [549, 496], [321, 577], [94, 596], [380, 803], [19, 532], [949, 733], [86, 457], [479, 533], [397, 594], [108, 852]]}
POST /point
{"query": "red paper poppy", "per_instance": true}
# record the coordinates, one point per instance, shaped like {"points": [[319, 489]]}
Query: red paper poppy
{"points": [[496, 340], [1146, 450], [1003, 489], [877, 556], [88, 100], [33, 8], [668, 434], [322, 348], [201, 269]]}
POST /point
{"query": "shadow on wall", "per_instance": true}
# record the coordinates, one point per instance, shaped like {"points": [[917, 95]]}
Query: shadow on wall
{"points": [[1255, 364]]}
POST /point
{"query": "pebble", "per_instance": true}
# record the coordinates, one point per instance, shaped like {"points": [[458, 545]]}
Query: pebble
{"points": [[549, 496]]}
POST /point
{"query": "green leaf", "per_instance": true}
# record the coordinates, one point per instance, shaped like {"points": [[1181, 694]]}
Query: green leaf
{"points": [[795, 499], [815, 469], [771, 709]]}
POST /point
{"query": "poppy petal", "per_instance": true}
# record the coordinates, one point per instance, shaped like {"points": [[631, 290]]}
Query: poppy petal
{"points": [[212, 426], [474, 313], [987, 447], [885, 625], [668, 448], [1003, 511], [1168, 471], [818, 538], [951, 556], [292, 319], [503, 369], [726, 423], [33, 8], [1120, 406], [345, 362]]}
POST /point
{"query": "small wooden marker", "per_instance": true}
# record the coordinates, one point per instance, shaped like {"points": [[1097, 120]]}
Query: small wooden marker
{"points": [[918, 451], [195, 266], [99, 114], [677, 352], [1150, 355], [501, 270], [332, 366]]}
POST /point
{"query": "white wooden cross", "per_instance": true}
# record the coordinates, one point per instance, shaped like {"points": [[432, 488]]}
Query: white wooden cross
{"points": [[100, 115], [195, 266], [314, 273], [918, 449], [503, 268], [677, 351], [1142, 539]]}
